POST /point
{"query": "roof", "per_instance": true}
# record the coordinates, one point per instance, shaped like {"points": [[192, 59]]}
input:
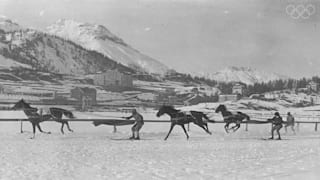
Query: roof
{"points": [[86, 90]]}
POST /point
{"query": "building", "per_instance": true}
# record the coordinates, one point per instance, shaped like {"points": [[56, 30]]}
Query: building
{"points": [[2, 89], [86, 97], [113, 78], [229, 97], [238, 89], [272, 95], [313, 86]]}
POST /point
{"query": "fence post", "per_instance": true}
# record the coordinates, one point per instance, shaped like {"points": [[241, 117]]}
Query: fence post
{"points": [[298, 127], [114, 129], [247, 126], [316, 127], [21, 131]]}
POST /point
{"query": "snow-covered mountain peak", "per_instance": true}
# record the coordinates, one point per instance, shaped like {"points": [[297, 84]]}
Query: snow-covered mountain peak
{"points": [[71, 29], [8, 25], [246, 75], [99, 38]]}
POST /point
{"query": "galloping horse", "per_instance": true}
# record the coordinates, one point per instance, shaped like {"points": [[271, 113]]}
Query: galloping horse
{"points": [[180, 118], [229, 118], [35, 118]]}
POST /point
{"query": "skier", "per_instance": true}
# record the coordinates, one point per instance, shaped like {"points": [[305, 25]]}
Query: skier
{"points": [[276, 124], [137, 126], [290, 122]]}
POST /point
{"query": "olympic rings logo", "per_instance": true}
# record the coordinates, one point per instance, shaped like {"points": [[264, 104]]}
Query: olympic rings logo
{"points": [[300, 11]]}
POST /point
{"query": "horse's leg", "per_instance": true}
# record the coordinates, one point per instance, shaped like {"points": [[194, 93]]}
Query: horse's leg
{"points": [[185, 131], [34, 130], [205, 128], [62, 124], [172, 125], [226, 127], [38, 125], [236, 127], [188, 126], [67, 123]]}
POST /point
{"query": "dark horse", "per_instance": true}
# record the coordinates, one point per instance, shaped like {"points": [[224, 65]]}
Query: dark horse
{"points": [[229, 118], [181, 118], [35, 118]]}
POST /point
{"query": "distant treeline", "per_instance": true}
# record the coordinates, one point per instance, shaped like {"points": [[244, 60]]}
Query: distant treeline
{"points": [[256, 88]]}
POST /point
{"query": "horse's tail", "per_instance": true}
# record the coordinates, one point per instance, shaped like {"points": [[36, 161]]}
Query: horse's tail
{"points": [[69, 114]]}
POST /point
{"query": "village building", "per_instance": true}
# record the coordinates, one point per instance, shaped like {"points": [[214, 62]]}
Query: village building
{"points": [[229, 97], [313, 86], [86, 97], [272, 95], [113, 78], [238, 89]]}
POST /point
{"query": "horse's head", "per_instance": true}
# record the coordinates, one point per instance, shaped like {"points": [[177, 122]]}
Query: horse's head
{"points": [[22, 105], [221, 108], [166, 110]]}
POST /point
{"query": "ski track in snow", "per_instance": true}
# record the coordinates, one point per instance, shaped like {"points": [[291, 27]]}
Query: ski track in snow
{"points": [[96, 153]]}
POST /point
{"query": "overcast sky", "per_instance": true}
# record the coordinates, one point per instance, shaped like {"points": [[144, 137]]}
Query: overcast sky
{"points": [[195, 35]]}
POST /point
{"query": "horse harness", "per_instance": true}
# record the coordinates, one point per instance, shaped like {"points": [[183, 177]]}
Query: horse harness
{"points": [[185, 116]]}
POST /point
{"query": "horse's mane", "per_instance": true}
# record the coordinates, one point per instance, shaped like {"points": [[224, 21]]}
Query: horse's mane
{"points": [[23, 104]]}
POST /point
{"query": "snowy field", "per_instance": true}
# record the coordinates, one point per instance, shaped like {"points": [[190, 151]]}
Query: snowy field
{"points": [[98, 153]]}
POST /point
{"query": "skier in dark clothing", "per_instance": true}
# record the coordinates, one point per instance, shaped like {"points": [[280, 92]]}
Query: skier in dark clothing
{"points": [[137, 126], [276, 125]]}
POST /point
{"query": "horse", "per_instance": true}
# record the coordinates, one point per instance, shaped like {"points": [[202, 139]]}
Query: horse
{"points": [[230, 117], [181, 118], [35, 118], [57, 114]]}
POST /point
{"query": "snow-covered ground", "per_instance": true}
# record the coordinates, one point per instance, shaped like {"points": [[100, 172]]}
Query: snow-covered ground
{"points": [[97, 153]]}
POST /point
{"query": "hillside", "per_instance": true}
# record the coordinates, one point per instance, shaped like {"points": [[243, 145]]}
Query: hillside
{"points": [[100, 39], [48, 53]]}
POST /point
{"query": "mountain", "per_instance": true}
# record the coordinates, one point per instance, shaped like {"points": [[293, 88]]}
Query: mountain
{"points": [[100, 39], [24, 47], [243, 74]]}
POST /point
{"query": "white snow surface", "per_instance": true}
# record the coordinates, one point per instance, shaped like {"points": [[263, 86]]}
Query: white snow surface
{"points": [[243, 74], [98, 38], [97, 153]]}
